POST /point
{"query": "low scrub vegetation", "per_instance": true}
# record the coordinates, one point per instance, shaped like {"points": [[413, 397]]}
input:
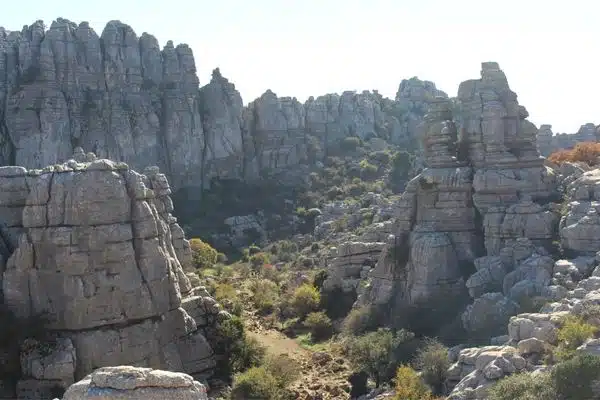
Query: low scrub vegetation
{"points": [[586, 152]]}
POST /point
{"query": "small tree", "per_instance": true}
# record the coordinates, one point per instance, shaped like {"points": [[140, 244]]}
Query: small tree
{"points": [[409, 386], [203, 254], [305, 300], [576, 378], [320, 326], [374, 352], [432, 359]]}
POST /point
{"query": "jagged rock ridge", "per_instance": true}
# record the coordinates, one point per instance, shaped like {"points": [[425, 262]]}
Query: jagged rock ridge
{"points": [[122, 97], [484, 191]]}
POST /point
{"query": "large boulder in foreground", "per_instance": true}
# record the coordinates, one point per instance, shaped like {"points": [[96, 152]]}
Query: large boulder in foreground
{"points": [[136, 384]]}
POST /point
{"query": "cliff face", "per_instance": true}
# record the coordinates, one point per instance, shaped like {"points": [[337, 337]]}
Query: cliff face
{"points": [[92, 245], [484, 191], [122, 97]]}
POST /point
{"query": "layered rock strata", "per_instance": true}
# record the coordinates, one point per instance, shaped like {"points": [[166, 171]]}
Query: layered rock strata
{"points": [[485, 188], [102, 259], [124, 98]]}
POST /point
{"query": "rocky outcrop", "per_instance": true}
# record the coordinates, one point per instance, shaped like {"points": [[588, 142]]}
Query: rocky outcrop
{"points": [[136, 384], [121, 96], [485, 188], [549, 143], [102, 259], [580, 225]]}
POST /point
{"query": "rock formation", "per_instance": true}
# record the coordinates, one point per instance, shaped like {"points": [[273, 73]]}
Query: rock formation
{"points": [[136, 384], [122, 97], [485, 189], [96, 251], [548, 142]]}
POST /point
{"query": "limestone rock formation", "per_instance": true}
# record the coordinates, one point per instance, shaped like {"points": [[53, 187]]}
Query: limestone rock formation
{"points": [[136, 384], [102, 259], [116, 94], [485, 189], [121, 96], [580, 224], [548, 142]]}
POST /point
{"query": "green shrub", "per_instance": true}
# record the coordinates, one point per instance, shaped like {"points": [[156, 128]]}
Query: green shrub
{"points": [[574, 379], [203, 255], [306, 299], [433, 362], [350, 143], [401, 166], [227, 295], [375, 352], [265, 294], [320, 278], [523, 386], [242, 352], [259, 259], [368, 171], [255, 383], [409, 386], [360, 320], [268, 381], [320, 326], [574, 331]]}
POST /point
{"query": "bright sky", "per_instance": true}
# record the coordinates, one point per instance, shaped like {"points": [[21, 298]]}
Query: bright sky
{"points": [[312, 47]]}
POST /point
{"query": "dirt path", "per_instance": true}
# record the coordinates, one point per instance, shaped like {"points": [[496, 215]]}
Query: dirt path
{"points": [[277, 344], [321, 378]]}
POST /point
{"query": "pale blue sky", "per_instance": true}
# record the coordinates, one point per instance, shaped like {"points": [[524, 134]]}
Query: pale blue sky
{"points": [[312, 47]]}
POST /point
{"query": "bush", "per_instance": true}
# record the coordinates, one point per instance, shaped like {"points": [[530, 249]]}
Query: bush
{"points": [[285, 370], [376, 352], [399, 174], [523, 386], [305, 300], [259, 259], [203, 255], [360, 320], [574, 331], [227, 296], [432, 360], [409, 386], [242, 352], [269, 381], [587, 152], [574, 379], [350, 143], [255, 383], [368, 171], [265, 294], [320, 326], [320, 278]]}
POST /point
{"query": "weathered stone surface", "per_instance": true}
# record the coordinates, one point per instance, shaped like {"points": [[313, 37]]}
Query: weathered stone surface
{"points": [[99, 257], [580, 225], [485, 190], [548, 142], [124, 382], [120, 96]]}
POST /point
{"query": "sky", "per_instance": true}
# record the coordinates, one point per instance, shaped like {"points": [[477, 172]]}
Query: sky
{"points": [[303, 48]]}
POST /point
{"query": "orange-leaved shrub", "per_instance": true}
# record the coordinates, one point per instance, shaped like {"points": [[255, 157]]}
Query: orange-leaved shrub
{"points": [[587, 152]]}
